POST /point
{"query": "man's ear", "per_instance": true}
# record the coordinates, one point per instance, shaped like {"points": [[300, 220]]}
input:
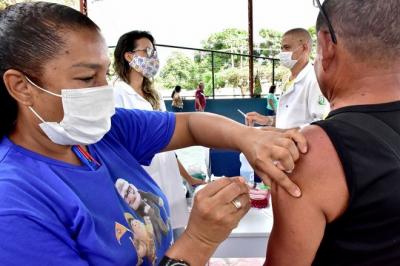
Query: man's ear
{"points": [[327, 49], [306, 47], [18, 87], [128, 56]]}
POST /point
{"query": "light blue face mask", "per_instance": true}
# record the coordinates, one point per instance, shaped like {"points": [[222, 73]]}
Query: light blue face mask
{"points": [[87, 115]]}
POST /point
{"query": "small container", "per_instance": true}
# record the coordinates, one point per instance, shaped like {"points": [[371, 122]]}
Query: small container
{"points": [[259, 198]]}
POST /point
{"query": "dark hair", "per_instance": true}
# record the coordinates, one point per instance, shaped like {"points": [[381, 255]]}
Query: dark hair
{"points": [[176, 89], [369, 29], [272, 89], [127, 43], [31, 34]]}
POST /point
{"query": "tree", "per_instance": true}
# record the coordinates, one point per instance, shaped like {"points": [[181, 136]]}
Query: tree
{"points": [[257, 87], [235, 77], [179, 70], [271, 44], [313, 32], [229, 40]]}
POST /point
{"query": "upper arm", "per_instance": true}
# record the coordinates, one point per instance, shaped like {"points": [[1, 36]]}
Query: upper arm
{"points": [[299, 224], [24, 241]]}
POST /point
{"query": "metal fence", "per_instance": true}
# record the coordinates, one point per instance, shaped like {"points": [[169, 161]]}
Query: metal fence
{"points": [[224, 73]]}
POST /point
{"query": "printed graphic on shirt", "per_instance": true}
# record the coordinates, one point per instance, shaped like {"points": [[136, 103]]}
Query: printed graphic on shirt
{"points": [[120, 231], [321, 100], [144, 235]]}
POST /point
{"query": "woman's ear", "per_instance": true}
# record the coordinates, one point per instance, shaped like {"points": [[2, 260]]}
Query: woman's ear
{"points": [[18, 87], [128, 56]]}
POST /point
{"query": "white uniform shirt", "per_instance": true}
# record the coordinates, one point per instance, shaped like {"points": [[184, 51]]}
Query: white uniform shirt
{"points": [[302, 103], [164, 166]]}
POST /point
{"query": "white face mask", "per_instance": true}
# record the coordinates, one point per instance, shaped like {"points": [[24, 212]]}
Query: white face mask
{"points": [[286, 59], [87, 115]]}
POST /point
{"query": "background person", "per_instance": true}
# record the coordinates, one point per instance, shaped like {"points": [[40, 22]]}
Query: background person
{"points": [[200, 98], [349, 212], [134, 56], [177, 102], [301, 102], [272, 101]]}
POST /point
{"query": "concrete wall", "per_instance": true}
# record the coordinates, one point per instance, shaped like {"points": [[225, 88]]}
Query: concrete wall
{"points": [[227, 107]]}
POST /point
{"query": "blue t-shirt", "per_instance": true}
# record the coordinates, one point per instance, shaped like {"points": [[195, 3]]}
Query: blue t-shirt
{"points": [[56, 213]]}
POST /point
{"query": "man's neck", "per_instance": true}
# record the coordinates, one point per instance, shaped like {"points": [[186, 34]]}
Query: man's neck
{"points": [[297, 69], [369, 88]]}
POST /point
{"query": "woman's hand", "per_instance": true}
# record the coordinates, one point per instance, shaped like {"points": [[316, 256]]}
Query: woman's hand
{"points": [[272, 152], [213, 214], [212, 219]]}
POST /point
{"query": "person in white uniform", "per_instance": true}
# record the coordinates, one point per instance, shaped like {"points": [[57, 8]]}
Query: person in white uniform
{"points": [[301, 102], [136, 63]]}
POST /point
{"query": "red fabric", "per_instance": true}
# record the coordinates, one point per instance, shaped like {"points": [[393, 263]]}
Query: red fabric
{"points": [[202, 99]]}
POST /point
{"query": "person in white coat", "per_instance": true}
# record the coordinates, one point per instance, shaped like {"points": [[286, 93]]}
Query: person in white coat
{"points": [[301, 102], [136, 63]]}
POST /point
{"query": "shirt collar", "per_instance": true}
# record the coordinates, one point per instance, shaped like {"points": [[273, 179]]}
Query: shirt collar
{"points": [[309, 67], [127, 88]]}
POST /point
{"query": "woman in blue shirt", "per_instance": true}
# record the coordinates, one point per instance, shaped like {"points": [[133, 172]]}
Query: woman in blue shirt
{"points": [[72, 191], [272, 101]]}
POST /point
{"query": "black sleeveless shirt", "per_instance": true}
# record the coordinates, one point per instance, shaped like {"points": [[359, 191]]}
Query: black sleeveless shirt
{"points": [[367, 140]]}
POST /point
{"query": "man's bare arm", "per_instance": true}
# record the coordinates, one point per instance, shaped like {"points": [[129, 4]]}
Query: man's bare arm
{"points": [[299, 224]]}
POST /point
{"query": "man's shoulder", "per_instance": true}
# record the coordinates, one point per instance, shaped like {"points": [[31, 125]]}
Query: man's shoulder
{"points": [[319, 173]]}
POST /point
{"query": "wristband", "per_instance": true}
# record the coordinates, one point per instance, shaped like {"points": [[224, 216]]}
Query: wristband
{"points": [[167, 261]]}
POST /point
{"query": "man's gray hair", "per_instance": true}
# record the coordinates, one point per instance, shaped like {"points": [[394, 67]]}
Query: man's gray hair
{"points": [[366, 28]]}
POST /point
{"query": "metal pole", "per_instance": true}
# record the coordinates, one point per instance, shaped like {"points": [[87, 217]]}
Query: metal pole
{"points": [[206, 50], [273, 72], [251, 59], [83, 7], [212, 74]]}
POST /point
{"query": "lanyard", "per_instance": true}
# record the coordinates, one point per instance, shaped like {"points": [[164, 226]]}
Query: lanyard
{"points": [[85, 157]]}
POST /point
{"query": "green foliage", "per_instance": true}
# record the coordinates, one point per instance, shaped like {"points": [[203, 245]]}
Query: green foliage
{"points": [[235, 77], [257, 86], [271, 44], [230, 71], [312, 30], [179, 70], [207, 79], [229, 40]]}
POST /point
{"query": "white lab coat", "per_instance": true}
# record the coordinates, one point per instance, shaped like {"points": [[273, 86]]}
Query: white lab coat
{"points": [[164, 167], [302, 103]]}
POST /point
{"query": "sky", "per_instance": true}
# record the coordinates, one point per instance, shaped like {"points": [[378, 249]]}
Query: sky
{"points": [[188, 22]]}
